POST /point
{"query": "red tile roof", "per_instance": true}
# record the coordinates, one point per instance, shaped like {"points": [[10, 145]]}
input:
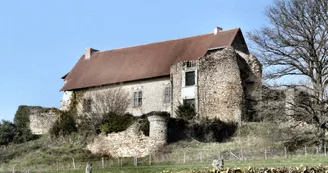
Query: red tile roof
{"points": [[143, 61]]}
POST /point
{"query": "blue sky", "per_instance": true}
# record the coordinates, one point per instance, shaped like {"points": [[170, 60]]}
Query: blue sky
{"points": [[40, 41]]}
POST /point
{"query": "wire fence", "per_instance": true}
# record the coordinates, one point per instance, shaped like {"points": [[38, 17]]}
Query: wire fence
{"points": [[185, 157]]}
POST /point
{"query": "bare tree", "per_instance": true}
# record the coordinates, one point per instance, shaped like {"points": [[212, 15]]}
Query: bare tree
{"points": [[296, 44], [114, 100], [97, 102]]}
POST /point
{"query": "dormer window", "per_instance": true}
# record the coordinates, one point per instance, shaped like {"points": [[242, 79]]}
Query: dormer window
{"points": [[190, 78]]}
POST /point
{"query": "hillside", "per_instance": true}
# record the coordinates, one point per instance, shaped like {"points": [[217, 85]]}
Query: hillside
{"points": [[51, 154]]}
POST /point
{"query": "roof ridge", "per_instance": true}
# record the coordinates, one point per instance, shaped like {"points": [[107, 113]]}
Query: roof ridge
{"points": [[115, 49]]}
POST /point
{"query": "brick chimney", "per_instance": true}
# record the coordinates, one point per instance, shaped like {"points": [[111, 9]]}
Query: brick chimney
{"points": [[89, 52], [217, 29]]}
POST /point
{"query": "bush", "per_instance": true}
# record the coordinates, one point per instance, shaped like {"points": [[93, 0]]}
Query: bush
{"points": [[8, 131], [207, 130], [21, 118], [214, 130], [21, 121], [64, 125], [177, 130], [186, 111], [112, 122], [144, 125]]}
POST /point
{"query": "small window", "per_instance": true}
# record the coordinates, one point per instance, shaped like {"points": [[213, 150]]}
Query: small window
{"points": [[137, 99], [167, 94], [86, 105], [190, 78], [189, 102], [191, 64]]}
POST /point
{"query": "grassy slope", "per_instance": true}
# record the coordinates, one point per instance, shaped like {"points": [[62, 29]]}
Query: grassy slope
{"points": [[44, 153]]}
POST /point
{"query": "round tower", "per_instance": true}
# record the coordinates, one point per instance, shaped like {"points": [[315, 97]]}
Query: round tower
{"points": [[158, 126]]}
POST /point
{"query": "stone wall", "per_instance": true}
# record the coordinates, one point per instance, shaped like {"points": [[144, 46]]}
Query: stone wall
{"points": [[41, 119], [251, 76], [220, 86], [152, 95], [227, 84], [132, 142], [176, 80]]}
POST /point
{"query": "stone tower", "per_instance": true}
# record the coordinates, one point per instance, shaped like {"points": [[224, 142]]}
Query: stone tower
{"points": [[158, 126]]}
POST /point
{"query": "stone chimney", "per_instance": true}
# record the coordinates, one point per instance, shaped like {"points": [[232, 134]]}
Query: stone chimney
{"points": [[88, 52], [217, 29]]}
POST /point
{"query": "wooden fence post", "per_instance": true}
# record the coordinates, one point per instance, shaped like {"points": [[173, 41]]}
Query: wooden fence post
{"points": [[265, 155], [102, 162], [135, 161], [149, 158], [286, 156], [184, 157], [317, 150], [74, 163]]}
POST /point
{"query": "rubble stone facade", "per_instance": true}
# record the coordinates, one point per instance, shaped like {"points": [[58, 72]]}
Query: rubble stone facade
{"points": [[227, 84], [132, 142], [220, 86], [41, 119]]}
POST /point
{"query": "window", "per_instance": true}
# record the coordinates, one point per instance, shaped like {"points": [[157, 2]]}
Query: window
{"points": [[189, 102], [86, 105], [190, 78], [137, 99], [167, 94], [191, 64]]}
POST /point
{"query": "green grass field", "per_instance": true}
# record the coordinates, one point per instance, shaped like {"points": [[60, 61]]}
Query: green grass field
{"points": [[294, 161]]}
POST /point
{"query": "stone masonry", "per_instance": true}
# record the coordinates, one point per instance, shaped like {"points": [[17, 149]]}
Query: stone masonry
{"points": [[220, 86], [158, 127], [227, 84], [41, 119], [132, 142], [152, 96]]}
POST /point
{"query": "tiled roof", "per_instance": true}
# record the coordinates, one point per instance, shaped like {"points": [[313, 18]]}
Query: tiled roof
{"points": [[143, 61]]}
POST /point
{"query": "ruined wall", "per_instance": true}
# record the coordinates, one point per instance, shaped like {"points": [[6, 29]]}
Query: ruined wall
{"points": [[41, 119], [255, 72], [220, 86], [132, 142], [251, 74]]}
